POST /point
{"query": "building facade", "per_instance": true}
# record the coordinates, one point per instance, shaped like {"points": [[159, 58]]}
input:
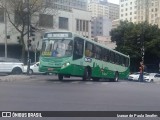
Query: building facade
{"points": [[140, 10], [101, 26], [67, 18], [113, 11], [103, 13], [67, 5], [98, 9]]}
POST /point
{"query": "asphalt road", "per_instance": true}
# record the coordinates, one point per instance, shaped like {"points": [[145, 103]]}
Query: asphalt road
{"points": [[49, 94]]}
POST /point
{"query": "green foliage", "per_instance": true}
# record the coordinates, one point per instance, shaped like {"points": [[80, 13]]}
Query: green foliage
{"points": [[130, 38]]}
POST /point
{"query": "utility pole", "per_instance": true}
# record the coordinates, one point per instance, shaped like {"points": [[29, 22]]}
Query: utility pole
{"points": [[28, 40], [5, 20]]}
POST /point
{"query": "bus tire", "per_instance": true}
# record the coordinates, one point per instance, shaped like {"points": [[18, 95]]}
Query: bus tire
{"points": [[116, 77], [95, 79], [86, 75], [60, 76]]}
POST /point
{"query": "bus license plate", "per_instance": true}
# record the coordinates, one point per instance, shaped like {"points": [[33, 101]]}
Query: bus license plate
{"points": [[50, 69]]}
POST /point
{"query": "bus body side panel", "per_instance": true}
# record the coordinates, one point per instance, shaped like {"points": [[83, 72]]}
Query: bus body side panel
{"points": [[107, 70]]}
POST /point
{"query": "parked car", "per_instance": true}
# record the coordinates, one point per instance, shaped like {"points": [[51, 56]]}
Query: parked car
{"points": [[135, 76], [11, 65], [33, 68], [152, 77]]}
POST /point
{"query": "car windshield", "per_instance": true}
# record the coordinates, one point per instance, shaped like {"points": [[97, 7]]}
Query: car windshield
{"points": [[57, 48]]}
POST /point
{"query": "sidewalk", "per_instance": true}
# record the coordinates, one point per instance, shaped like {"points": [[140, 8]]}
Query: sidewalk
{"points": [[14, 77], [23, 77]]}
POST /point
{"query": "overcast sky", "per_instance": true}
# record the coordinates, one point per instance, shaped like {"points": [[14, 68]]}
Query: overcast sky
{"points": [[114, 1]]}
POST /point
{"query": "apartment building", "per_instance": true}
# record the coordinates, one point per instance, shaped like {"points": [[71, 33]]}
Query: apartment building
{"points": [[140, 10], [113, 11], [101, 26], [67, 5], [103, 8], [102, 13], [98, 9]]}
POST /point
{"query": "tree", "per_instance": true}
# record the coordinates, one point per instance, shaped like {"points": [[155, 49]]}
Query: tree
{"points": [[130, 39], [23, 11]]}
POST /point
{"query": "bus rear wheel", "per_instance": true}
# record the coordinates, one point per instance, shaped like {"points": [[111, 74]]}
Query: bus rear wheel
{"points": [[116, 77], [60, 76]]}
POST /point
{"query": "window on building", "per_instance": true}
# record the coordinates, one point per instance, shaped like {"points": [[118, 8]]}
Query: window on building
{"points": [[63, 23], [1, 15], [87, 26], [84, 25], [46, 20], [156, 9], [77, 25], [80, 25]]}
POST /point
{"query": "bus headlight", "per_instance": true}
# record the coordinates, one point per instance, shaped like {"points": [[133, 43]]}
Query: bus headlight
{"points": [[65, 64]]}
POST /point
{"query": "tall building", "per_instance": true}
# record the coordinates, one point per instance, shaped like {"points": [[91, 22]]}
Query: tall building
{"points": [[102, 13], [140, 10], [98, 9], [101, 26], [113, 11], [67, 5]]}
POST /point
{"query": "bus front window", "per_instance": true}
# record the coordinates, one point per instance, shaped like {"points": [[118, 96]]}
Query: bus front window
{"points": [[57, 48]]}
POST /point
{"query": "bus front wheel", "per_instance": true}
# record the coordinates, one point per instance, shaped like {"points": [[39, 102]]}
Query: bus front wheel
{"points": [[60, 76], [87, 74], [95, 79]]}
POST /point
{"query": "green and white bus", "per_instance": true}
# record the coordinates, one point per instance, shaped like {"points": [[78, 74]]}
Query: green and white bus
{"points": [[69, 54]]}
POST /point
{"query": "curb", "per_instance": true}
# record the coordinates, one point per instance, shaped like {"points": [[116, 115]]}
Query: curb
{"points": [[14, 77]]}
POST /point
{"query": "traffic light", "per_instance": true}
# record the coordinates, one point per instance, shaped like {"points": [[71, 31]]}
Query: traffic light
{"points": [[32, 30], [29, 43], [139, 39]]}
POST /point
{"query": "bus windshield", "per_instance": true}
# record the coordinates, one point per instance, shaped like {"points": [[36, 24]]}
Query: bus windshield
{"points": [[57, 48]]}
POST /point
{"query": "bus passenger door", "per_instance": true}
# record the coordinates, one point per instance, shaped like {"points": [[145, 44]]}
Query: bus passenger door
{"points": [[78, 56]]}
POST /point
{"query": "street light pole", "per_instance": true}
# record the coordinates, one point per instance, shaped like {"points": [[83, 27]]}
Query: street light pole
{"points": [[28, 57], [5, 30]]}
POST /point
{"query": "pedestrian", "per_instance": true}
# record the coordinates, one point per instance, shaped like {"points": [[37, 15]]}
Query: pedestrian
{"points": [[141, 69]]}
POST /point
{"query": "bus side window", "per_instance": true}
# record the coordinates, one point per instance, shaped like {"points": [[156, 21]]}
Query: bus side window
{"points": [[120, 60], [98, 52], [108, 56], [78, 48], [112, 57], [89, 52], [104, 54]]}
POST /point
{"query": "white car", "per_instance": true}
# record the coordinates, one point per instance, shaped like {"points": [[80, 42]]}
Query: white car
{"points": [[11, 65], [152, 77], [34, 68], [135, 76]]}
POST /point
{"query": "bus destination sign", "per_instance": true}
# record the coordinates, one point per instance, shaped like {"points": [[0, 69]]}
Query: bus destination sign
{"points": [[58, 35]]}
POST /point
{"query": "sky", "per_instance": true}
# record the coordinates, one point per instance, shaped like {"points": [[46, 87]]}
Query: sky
{"points": [[114, 1]]}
